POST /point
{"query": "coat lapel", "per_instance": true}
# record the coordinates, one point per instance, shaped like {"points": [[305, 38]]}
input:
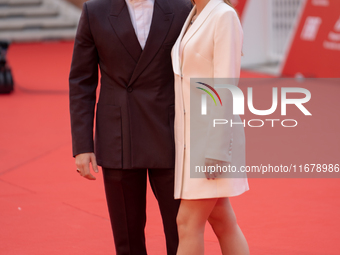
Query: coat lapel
{"points": [[121, 23], [161, 22], [199, 20], [176, 62]]}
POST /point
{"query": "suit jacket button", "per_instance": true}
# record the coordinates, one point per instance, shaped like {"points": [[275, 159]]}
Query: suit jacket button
{"points": [[130, 89]]}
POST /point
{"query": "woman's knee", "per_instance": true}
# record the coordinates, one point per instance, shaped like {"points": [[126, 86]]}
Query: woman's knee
{"points": [[188, 225], [182, 220], [223, 219], [192, 217]]}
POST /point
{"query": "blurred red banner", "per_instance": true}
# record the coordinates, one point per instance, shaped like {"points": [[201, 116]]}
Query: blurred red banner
{"points": [[239, 5], [315, 50]]}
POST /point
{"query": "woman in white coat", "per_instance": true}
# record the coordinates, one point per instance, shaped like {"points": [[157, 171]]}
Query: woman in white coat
{"points": [[209, 46]]}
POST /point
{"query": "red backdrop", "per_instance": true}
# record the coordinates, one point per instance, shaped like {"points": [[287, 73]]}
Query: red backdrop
{"points": [[239, 5], [315, 51]]}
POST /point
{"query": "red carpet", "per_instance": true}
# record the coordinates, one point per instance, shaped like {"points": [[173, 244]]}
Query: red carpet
{"points": [[46, 208]]}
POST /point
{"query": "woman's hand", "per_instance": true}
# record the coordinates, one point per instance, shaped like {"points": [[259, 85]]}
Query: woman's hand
{"points": [[211, 164]]}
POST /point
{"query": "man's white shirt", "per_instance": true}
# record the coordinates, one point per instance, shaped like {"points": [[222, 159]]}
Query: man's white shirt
{"points": [[141, 12]]}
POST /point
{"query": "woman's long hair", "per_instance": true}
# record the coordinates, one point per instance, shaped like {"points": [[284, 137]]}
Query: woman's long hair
{"points": [[228, 3], [231, 5]]}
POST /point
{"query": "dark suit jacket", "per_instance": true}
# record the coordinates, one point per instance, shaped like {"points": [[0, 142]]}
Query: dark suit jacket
{"points": [[135, 110]]}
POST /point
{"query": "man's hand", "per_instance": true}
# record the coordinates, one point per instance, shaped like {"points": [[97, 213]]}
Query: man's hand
{"points": [[83, 165]]}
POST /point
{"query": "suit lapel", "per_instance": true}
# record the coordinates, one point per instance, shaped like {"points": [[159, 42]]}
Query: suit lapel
{"points": [[121, 23], [161, 22]]}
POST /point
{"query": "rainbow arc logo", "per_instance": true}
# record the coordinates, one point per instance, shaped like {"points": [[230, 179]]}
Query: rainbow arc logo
{"points": [[209, 93]]}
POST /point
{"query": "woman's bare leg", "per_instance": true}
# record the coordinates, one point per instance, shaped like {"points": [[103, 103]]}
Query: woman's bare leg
{"points": [[191, 220], [229, 234]]}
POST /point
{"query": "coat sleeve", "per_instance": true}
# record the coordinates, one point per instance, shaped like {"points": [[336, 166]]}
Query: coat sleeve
{"points": [[83, 81], [228, 39]]}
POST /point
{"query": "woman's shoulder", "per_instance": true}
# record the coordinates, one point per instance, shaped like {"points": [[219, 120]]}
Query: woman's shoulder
{"points": [[224, 9], [224, 13]]}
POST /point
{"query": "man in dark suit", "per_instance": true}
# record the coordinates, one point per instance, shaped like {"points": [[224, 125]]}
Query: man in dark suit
{"points": [[130, 41]]}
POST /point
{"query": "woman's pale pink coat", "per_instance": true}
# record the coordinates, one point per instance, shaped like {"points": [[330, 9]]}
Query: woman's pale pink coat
{"points": [[211, 48]]}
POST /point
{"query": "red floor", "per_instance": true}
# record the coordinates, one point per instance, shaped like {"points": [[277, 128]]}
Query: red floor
{"points": [[46, 208]]}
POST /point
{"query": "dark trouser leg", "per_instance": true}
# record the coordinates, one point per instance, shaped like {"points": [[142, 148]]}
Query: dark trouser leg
{"points": [[162, 184], [126, 199]]}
